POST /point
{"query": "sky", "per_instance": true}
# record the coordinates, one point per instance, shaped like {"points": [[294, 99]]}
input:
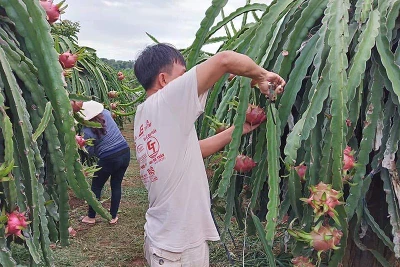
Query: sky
{"points": [[117, 28]]}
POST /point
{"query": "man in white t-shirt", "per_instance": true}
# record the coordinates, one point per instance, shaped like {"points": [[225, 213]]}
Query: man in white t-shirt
{"points": [[178, 221]]}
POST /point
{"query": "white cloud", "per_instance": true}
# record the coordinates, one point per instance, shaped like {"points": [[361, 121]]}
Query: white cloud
{"points": [[113, 4], [117, 29]]}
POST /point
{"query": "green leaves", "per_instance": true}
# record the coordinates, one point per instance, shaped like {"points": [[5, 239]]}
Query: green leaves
{"points": [[211, 13]]}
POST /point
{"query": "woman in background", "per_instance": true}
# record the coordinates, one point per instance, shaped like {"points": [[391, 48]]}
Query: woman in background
{"points": [[113, 152]]}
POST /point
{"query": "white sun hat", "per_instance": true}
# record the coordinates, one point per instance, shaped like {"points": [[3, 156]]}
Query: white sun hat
{"points": [[91, 109]]}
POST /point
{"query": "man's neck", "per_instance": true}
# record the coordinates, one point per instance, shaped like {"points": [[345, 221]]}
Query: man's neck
{"points": [[152, 91]]}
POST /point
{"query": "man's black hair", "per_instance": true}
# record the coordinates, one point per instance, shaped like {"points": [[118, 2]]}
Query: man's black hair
{"points": [[155, 59]]}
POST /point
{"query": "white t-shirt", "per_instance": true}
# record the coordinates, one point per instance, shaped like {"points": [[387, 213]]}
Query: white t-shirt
{"points": [[172, 168]]}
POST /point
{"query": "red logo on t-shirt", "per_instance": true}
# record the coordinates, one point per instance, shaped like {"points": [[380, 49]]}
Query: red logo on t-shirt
{"points": [[152, 147]]}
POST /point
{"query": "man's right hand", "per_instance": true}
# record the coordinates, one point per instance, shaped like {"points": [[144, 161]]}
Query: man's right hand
{"points": [[269, 81]]}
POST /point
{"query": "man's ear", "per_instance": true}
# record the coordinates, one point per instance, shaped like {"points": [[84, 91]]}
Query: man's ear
{"points": [[162, 79]]}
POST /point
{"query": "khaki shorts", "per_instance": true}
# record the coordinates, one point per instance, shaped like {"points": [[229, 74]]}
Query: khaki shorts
{"points": [[193, 257]]}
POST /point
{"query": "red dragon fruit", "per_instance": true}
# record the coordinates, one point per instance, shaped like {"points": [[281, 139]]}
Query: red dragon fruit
{"points": [[112, 94], [321, 238], [121, 76], [76, 105], [80, 141], [68, 60], [301, 171], [16, 222], [323, 200], [348, 159], [301, 261], [325, 237], [113, 106], [255, 115], [53, 11], [244, 163]]}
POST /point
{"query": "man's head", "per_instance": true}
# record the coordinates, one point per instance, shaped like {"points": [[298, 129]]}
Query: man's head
{"points": [[157, 65]]}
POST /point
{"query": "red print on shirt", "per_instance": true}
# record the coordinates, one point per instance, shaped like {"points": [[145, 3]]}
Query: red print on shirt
{"points": [[151, 171], [139, 149], [152, 147], [141, 130], [148, 142], [152, 174], [148, 124]]}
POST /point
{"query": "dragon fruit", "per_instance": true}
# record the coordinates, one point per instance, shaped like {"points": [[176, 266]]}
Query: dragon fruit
{"points": [[322, 238], [348, 159], [121, 76], [113, 106], [323, 200], [255, 115], [53, 11], [80, 141], [68, 60], [16, 222], [301, 171], [112, 94], [244, 163], [301, 261], [76, 105]]}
